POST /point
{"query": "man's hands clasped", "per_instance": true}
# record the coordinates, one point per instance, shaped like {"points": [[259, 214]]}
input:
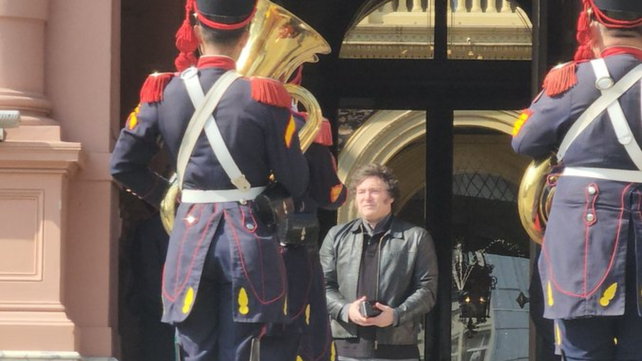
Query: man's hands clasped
{"points": [[385, 319]]}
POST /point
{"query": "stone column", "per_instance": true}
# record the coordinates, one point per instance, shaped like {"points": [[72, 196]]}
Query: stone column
{"points": [[506, 7], [402, 7], [416, 6], [22, 74], [476, 8], [35, 169]]}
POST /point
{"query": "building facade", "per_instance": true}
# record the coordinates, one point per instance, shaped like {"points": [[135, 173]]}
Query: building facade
{"points": [[59, 209], [428, 87]]}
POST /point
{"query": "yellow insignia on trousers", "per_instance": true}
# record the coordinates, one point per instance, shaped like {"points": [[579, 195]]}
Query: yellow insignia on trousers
{"points": [[189, 300], [299, 358], [243, 302], [307, 314], [290, 130], [333, 352], [549, 292], [558, 335], [608, 295], [285, 306], [615, 341]]}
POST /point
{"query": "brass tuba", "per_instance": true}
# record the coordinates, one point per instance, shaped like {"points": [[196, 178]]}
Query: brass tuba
{"points": [[535, 197], [278, 44]]}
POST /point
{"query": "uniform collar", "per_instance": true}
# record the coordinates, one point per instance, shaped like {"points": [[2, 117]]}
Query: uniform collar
{"points": [[618, 50], [216, 61]]}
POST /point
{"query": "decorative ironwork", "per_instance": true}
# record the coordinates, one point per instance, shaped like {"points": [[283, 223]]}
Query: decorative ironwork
{"points": [[474, 282], [349, 121]]}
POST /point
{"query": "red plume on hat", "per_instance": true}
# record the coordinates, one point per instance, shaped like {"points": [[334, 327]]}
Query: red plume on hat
{"points": [[562, 78], [596, 9], [583, 35], [186, 41], [215, 14]]}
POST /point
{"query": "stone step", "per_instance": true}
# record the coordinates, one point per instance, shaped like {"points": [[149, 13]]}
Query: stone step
{"points": [[48, 356]]}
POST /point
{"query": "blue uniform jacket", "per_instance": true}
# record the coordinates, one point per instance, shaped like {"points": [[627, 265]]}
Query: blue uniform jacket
{"points": [[583, 259], [262, 140], [306, 295]]}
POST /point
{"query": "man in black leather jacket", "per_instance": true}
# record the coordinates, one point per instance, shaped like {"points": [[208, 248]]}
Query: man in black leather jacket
{"points": [[380, 260]]}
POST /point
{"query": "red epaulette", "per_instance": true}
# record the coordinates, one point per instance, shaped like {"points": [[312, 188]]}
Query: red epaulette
{"points": [[324, 137], [153, 88], [270, 91], [560, 79]]}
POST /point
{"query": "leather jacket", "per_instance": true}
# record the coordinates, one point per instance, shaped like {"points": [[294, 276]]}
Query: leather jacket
{"points": [[407, 278]]}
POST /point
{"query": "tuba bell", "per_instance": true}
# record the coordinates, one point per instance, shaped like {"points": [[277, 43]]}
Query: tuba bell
{"points": [[535, 196], [278, 44]]}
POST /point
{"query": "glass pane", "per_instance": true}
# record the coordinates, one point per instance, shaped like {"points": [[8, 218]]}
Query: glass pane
{"points": [[485, 220], [399, 29], [488, 30], [477, 355], [477, 30], [490, 259]]}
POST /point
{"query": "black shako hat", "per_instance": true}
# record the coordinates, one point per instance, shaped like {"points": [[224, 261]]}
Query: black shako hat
{"points": [[613, 14], [214, 14], [604, 12], [634, 6], [225, 14]]}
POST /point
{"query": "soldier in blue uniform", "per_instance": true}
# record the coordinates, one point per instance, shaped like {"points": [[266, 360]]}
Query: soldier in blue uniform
{"points": [[308, 290], [589, 115], [224, 277], [308, 337]]}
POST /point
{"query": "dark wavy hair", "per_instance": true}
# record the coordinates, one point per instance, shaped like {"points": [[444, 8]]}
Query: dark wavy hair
{"points": [[375, 170]]}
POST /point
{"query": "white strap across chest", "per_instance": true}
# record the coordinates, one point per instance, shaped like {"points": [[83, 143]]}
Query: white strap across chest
{"points": [[609, 101], [618, 119], [202, 119]]}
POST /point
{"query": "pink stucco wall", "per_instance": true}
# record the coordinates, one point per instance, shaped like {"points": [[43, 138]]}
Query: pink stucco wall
{"points": [[60, 66]]}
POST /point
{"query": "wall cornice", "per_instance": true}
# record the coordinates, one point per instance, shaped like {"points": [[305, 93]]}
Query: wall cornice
{"points": [[20, 156]]}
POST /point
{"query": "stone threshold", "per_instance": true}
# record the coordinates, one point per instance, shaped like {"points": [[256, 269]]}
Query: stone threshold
{"points": [[48, 355]]}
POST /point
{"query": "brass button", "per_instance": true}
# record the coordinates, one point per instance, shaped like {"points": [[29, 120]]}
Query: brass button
{"points": [[591, 190], [590, 217], [249, 226]]}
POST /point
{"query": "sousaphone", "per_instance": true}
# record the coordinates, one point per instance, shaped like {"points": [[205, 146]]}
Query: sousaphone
{"points": [[278, 44], [535, 196]]}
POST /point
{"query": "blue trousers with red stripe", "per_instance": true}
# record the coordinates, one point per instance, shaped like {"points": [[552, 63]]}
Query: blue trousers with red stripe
{"points": [[607, 338]]}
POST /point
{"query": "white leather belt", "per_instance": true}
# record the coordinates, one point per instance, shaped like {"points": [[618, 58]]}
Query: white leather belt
{"points": [[219, 196], [620, 175]]}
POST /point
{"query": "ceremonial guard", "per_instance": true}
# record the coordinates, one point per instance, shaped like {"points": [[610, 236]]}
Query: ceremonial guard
{"points": [[308, 336], [325, 192], [588, 115], [224, 277]]}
